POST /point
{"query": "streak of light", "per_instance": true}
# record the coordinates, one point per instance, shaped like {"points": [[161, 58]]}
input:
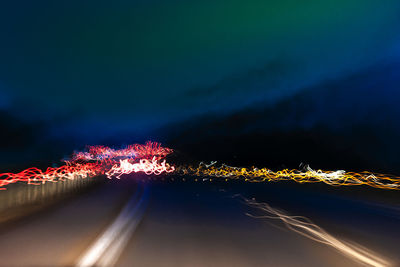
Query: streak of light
{"points": [[107, 248], [148, 150], [308, 175], [36, 176], [144, 165], [305, 227], [97, 160]]}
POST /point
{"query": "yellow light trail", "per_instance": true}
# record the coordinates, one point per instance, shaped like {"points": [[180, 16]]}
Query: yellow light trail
{"points": [[308, 175]]}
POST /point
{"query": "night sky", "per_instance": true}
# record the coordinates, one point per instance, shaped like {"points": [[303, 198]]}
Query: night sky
{"points": [[270, 83]]}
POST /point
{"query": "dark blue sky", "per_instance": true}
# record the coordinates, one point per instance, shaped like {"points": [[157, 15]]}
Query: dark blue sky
{"points": [[76, 73]]}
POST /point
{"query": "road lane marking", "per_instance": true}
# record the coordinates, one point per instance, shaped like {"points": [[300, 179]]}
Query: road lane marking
{"points": [[305, 227], [107, 248]]}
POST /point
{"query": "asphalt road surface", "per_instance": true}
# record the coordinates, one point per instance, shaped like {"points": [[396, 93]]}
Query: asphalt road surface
{"points": [[129, 223]]}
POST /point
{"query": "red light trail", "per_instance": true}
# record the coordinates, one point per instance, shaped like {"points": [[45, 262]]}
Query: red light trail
{"points": [[36, 176], [147, 151], [149, 159], [98, 160]]}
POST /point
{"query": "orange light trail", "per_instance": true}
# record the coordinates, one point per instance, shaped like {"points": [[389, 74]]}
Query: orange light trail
{"points": [[102, 160], [308, 175]]}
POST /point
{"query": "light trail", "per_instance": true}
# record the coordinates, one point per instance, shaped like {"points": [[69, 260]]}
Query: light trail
{"points": [[308, 175], [97, 160], [106, 249], [144, 165], [148, 151], [147, 158], [36, 176], [305, 227]]}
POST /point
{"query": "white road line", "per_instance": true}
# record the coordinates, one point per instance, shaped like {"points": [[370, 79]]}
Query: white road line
{"points": [[108, 247], [305, 227]]}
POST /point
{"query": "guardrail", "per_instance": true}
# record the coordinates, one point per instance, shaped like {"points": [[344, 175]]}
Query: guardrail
{"points": [[20, 195]]}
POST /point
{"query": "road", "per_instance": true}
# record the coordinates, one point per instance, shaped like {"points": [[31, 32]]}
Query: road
{"points": [[129, 223]]}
